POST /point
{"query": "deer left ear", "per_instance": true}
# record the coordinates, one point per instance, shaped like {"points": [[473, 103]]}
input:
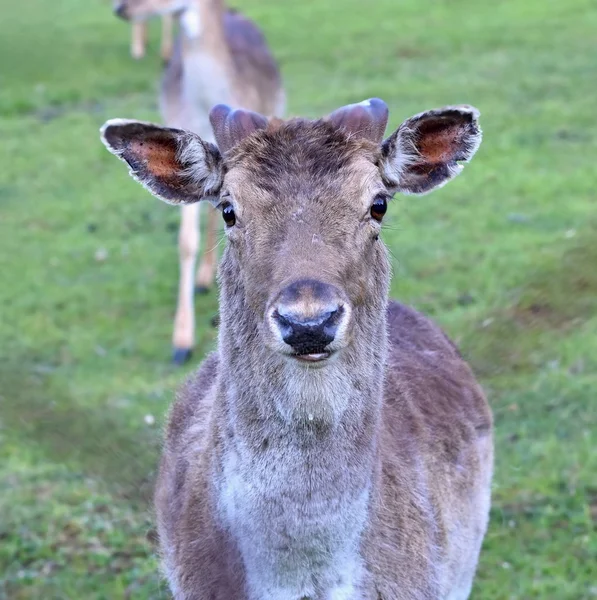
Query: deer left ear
{"points": [[427, 150], [176, 166]]}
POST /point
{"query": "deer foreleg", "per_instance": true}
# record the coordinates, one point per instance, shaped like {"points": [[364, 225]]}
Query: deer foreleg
{"points": [[138, 39]]}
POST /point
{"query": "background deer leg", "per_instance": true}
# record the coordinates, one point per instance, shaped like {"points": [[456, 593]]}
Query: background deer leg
{"points": [[138, 39], [167, 33], [183, 337], [209, 259]]}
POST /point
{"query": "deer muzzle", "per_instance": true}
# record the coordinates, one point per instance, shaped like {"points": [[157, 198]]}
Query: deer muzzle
{"points": [[309, 318]]}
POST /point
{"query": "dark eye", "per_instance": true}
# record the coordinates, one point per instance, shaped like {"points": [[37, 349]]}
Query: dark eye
{"points": [[228, 214], [379, 207]]}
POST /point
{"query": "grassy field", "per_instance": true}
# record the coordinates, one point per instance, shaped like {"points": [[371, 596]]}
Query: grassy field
{"points": [[505, 258]]}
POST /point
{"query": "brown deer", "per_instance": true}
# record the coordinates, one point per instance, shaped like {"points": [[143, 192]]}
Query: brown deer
{"points": [[336, 446], [139, 37], [219, 57]]}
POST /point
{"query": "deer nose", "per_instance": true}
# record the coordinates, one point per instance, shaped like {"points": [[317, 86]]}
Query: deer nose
{"points": [[120, 11], [308, 315], [307, 336]]}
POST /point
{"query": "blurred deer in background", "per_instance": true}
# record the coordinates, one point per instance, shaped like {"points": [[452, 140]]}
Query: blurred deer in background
{"points": [[220, 56], [336, 446], [139, 37]]}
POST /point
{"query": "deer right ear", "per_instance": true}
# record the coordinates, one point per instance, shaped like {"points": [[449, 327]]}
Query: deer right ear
{"points": [[429, 149], [176, 166]]}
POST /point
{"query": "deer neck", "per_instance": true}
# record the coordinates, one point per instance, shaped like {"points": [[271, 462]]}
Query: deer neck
{"points": [[202, 24], [307, 403], [303, 441]]}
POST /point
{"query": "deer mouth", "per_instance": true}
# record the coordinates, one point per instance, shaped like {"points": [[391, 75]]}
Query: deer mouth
{"points": [[312, 357], [311, 353]]}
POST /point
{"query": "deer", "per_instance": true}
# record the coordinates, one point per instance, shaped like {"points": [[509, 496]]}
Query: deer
{"points": [[336, 445], [139, 37], [220, 56]]}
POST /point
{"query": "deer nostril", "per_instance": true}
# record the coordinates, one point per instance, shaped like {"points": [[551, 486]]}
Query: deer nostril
{"points": [[330, 325], [284, 325]]}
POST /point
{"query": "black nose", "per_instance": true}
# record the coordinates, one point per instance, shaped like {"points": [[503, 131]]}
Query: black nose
{"points": [[309, 336], [308, 314], [120, 11]]}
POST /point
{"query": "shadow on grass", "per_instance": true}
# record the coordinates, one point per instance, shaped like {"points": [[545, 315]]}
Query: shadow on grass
{"points": [[38, 413], [560, 296]]}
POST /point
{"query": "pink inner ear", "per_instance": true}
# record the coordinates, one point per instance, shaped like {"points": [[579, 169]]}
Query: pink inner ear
{"points": [[159, 156], [367, 119], [231, 126]]}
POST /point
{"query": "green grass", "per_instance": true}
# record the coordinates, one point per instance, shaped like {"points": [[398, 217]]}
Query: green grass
{"points": [[505, 258]]}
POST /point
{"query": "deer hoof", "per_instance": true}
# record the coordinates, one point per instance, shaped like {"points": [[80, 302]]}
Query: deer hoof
{"points": [[180, 356], [201, 290]]}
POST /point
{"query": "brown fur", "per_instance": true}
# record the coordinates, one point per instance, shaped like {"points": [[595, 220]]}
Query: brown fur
{"points": [[243, 59], [366, 477]]}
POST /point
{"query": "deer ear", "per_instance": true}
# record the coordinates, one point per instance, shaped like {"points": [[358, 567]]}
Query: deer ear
{"points": [[176, 166], [425, 152]]}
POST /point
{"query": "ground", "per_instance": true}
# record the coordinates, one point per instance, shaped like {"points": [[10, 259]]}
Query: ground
{"points": [[505, 258]]}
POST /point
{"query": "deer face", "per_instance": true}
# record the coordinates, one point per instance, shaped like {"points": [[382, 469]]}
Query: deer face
{"points": [[143, 9], [303, 202]]}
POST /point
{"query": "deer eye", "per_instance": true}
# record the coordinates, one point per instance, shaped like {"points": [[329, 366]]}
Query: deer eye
{"points": [[228, 214], [379, 207]]}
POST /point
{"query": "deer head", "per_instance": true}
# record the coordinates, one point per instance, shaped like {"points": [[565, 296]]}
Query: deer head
{"points": [[304, 276], [142, 9]]}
